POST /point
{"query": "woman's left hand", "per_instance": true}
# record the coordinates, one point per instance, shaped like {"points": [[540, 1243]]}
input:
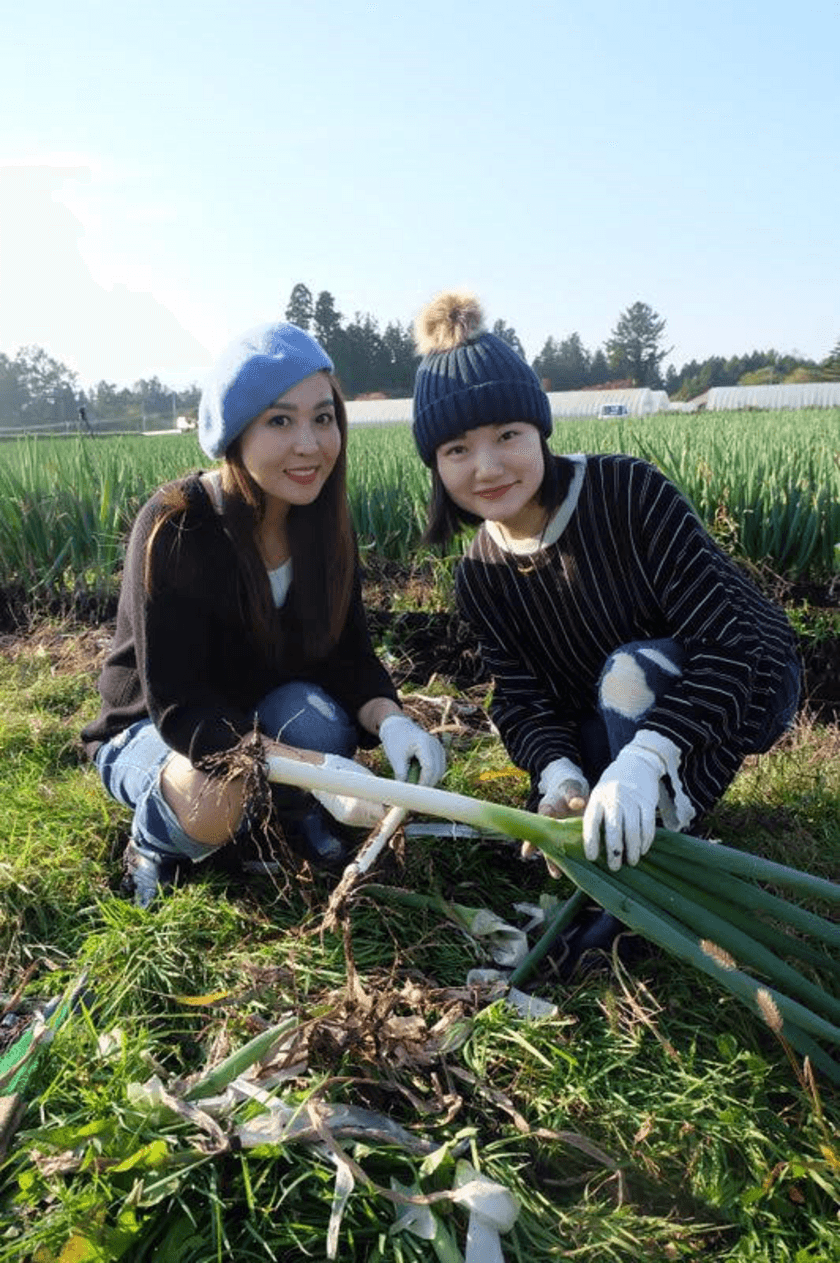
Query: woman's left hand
{"points": [[623, 807], [405, 740]]}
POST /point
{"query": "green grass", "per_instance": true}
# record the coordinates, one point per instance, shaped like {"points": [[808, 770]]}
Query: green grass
{"points": [[651, 1117]]}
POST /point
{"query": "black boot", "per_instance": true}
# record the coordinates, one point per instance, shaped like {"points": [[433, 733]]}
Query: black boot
{"points": [[147, 873], [308, 828], [593, 930]]}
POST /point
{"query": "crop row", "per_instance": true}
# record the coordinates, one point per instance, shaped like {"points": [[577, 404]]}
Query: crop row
{"points": [[766, 484]]}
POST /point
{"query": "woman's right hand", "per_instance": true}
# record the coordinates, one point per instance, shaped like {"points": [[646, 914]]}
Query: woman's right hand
{"points": [[564, 792], [360, 813]]}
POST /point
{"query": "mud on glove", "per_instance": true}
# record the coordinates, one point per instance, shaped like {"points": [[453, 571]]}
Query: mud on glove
{"points": [[563, 789], [563, 792]]}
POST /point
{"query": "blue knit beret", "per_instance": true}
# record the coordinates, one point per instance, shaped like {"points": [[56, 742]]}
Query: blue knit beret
{"points": [[250, 374], [469, 377]]}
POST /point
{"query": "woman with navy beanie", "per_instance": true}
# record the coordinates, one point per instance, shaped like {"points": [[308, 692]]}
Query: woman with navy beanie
{"points": [[634, 664], [240, 608]]}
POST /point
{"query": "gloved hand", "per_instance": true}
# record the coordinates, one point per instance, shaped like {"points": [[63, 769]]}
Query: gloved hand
{"points": [[360, 813], [564, 790], [624, 804], [404, 740]]}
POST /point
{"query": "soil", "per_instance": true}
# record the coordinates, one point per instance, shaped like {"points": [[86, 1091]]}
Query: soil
{"points": [[421, 644]]}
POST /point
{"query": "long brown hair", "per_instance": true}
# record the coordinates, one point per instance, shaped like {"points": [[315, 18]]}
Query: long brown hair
{"points": [[321, 546]]}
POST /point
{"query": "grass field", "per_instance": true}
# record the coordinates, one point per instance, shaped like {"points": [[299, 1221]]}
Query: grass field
{"points": [[647, 1115]]}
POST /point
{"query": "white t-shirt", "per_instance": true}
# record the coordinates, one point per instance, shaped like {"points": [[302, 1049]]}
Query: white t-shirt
{"points": [[281, 577]]}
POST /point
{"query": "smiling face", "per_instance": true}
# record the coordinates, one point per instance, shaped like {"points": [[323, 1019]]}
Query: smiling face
{"points": [[290, 449], [495, 472]]}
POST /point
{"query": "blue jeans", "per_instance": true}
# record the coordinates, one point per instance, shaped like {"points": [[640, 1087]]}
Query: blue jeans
{"points": [[634, 677], [130, 764]]}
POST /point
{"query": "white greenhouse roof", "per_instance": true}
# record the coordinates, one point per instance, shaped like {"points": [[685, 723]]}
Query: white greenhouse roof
{"points": [[381, 411], [588, 403], [564, 403], [638, 402], [787, 395]]}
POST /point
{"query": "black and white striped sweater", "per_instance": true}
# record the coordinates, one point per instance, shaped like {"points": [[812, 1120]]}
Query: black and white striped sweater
{"points": [[633, 562]]}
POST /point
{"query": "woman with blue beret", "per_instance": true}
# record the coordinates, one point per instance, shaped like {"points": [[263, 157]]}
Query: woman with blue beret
{"points": [[240, 610]]}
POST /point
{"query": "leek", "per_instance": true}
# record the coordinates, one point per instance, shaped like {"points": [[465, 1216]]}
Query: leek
{"points": [[217, 1079], [730, 937], [705, 891], [695, 899], [734, 889]]}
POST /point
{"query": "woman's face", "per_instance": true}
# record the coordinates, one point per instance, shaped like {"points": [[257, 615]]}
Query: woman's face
{"points": [[290, 449], [496, 471]]}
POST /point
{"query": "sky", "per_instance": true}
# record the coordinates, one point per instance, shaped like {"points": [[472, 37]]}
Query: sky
{"points": [[169, 171]]}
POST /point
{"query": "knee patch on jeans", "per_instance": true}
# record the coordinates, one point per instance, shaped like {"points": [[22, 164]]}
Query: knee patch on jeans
{"points": [[320, 702], [624, 688]]}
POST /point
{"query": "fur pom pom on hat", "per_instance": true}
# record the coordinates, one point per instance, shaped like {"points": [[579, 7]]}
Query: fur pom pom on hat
{"points": [[468, 377], [250, 374], [450, 320]]}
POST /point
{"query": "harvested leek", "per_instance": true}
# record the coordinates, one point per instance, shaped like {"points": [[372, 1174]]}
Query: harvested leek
{"points": [[698, 900]]}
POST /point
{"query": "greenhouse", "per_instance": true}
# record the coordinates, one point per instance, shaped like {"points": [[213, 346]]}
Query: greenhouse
{"points": [[787, 395], [639, 402], [377, 411]]}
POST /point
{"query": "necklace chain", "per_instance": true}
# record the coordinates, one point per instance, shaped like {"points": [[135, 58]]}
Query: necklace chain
{"points": [[517, 560]]}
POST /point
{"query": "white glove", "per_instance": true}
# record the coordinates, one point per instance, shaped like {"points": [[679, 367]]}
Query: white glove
{"points": [[404, 740], [360, 813], [624, 802], [563, 788]]}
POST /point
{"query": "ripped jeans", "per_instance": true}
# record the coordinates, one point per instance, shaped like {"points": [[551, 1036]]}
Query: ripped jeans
{"points": [[634, 677], [130, 764]]}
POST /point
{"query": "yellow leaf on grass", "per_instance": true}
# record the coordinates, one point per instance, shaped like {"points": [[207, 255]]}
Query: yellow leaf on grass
{"points": [[212, 997], [79, 1250]]}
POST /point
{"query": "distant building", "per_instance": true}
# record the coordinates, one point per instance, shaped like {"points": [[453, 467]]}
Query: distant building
{"points": [[639, 402], [377, 411], [784, 395]]}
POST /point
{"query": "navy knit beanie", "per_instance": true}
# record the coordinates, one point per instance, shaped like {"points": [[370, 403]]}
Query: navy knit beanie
{"points": [[468, 377], [250, 374]]}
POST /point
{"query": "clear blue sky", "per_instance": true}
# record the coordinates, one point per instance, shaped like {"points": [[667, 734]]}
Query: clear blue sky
{"points": [[172, 169]]}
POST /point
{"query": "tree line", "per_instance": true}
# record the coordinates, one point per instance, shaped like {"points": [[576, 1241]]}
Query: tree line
{"points": [[37, 390], [368, 360]]}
